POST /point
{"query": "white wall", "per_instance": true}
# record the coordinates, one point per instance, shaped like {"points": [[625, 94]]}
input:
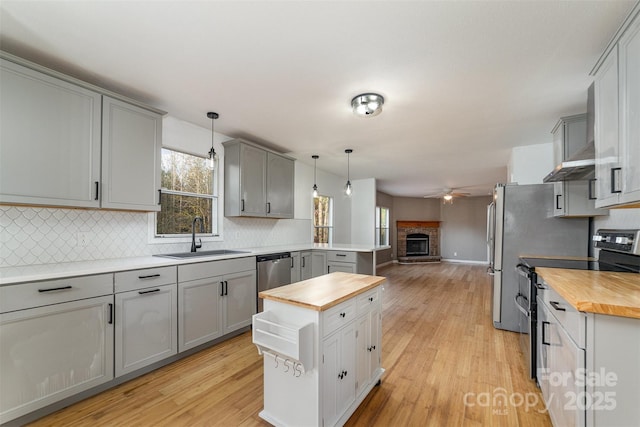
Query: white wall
{"points": [[363, 212], [529, 164]]}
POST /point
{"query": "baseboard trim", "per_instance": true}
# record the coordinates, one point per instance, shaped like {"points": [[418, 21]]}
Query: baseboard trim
{"points": [[465, 261]]}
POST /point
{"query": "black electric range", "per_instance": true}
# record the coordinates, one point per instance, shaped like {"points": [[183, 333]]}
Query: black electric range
{"points": [[619, 252]]}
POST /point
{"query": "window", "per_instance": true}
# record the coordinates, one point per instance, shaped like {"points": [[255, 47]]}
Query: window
{"points": [[188, 190], [322, 219], [382, 226]]}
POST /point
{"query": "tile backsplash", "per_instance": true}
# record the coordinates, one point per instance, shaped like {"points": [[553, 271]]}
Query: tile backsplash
{"points": [[34, 235]]}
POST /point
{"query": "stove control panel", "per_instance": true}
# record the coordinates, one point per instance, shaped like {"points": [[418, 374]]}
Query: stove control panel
{"points": [[627, 241]]}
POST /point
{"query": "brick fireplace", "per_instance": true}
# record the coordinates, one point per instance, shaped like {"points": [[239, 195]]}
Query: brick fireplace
{"points": [[418, 241]]}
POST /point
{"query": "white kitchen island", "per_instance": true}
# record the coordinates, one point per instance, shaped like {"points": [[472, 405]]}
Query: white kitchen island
{"points": [[321, 341]]}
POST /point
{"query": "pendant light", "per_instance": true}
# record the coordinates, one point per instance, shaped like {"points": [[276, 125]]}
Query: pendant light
{"points": [[347, 187], [212, 153], [315, 157]]}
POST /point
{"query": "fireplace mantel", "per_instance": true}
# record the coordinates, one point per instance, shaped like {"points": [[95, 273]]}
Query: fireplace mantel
{"points": [[417, 224]]}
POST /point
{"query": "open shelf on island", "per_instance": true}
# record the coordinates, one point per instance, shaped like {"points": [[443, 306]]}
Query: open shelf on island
{"points": [[289, 341]]}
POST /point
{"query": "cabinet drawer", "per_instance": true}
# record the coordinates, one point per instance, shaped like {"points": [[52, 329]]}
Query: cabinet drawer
{"points": [[203, 270], [338, 316], [38, 294], [573, 321], [367, 301], [139, 279], [341, 256]]}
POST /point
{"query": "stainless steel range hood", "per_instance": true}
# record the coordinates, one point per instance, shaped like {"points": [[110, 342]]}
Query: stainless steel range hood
{"points": [[579, 167], [582, 164]]}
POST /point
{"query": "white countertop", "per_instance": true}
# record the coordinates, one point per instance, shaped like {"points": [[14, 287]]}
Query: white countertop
{"points": [[33, 273]]}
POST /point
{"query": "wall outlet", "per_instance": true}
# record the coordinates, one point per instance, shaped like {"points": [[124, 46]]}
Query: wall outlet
{"points": [[83, 239], [455, 254]]}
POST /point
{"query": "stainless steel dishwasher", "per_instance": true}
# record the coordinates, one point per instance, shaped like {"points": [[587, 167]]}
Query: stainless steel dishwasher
{"points": [[273, 270]]}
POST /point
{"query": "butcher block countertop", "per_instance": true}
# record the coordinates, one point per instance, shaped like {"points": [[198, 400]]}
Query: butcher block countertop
{"points": [[600, 292], [323, 292]]}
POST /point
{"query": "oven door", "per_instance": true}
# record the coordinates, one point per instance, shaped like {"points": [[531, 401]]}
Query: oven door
{"points": [[525, 304]]}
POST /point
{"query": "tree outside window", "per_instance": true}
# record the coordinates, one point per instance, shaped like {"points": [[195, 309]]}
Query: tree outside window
{"points": [[382, 226], [187, 192], [322, 219]]}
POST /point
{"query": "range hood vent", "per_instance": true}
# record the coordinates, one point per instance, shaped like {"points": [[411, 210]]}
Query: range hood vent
{"points": [[581, 166]]}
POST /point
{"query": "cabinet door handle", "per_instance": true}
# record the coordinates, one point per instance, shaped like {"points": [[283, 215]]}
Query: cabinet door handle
{"points": [[370, 299], [291, 262], [149, 291], [558, 201], [268, 207], [328, 269], [242, 205], [159, 197], [592, 189], [222, 288], [303, 261], [540, 287], [226, 287], [151, 276], [97, 190], [615, 174], [343, 315], [544, 341], [556, 305], [61, 288], [110, 322]]}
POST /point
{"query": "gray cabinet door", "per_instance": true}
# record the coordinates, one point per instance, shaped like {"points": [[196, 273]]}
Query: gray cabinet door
{"points": [[239, 300], [49, 140], [131, 144], [253, 173], [280, 173], [199, 318]]}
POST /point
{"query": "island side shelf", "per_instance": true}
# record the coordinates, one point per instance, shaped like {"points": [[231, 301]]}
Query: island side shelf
{"points": [[323, 337]]}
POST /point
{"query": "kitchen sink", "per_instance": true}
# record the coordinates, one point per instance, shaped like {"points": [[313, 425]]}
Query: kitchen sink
{"points": [[217, 252]]}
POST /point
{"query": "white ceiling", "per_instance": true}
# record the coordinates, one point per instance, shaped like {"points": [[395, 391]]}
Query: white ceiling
{"points": [[464, 82]]}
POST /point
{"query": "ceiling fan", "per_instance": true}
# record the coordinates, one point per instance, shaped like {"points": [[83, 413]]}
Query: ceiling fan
{"points": [[447, 194]]}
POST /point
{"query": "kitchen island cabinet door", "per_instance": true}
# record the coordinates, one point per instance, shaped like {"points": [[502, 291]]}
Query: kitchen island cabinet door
{"points": [[50, 353], [50, 140], [239, 300], [131, 144], [199, 319], [146, 327], [338, 373]]}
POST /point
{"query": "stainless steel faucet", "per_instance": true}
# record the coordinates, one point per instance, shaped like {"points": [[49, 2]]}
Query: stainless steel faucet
{"points": [[194, 245]]}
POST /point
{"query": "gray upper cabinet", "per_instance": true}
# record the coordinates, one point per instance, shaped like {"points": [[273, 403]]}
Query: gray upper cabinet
{"points": [[572, 198], [49, 140], [64, 142], [617, 106], [257, 182], [131, 144], [280, 175]]}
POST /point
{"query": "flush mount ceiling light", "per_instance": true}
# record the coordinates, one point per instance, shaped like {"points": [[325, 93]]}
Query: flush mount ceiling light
{"points": [[347, 187], [315, 157], [367, 104], [212, 153]]}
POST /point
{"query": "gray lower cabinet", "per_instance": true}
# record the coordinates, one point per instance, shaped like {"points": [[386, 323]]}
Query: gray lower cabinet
{"points": [[56, 341], [257, 181], [350, 262], [305, 265], [588, 367], [215, 298], [146, 321], [318, 263]]}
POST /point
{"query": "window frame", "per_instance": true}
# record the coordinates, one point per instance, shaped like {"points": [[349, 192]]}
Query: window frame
{"points": [[379, 226], [330, 220], [216, 206]]}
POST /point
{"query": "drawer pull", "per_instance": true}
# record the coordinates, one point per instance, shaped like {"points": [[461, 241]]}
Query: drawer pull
{"points": [[543, 334], [341, 254], [151, 276], [556, 305], [62, 288], [149, 291]]}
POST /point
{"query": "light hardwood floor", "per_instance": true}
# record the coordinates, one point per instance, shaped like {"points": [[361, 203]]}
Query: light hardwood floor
{"points": [[445, 366]]}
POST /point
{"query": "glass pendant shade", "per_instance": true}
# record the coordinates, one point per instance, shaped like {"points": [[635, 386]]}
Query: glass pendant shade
{"points": [[315, 157], [212, 152], [347, 188]]}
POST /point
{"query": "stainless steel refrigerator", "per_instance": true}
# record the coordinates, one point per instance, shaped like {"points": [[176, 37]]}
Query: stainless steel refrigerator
{"points": [[520, 222]]}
